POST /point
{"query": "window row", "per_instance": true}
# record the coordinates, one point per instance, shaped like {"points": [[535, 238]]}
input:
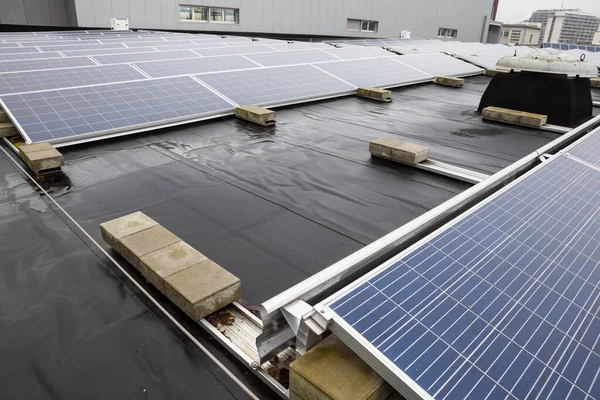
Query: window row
{"points": [[448, 33], [359, 25], [209, 14]]}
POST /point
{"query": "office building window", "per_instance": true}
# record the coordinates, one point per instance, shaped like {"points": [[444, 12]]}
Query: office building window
{"points": [[208, 14], [359, 25], [185, 13], [447, 33]]}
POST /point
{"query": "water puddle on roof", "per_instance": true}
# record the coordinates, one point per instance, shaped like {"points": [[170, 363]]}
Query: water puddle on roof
{"points": [[473, 133]]}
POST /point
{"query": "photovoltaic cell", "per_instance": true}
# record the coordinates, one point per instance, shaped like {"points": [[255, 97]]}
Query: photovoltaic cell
{"points": [[139, 57], [439, 64], [291, 57], [61, 115], [277, 85], [158, 69], [33, 65], [20, 82], [375, 72], [503, 303]]}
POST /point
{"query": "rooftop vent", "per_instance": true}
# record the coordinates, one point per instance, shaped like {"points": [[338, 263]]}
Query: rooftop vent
{"points": [[546, 82]]}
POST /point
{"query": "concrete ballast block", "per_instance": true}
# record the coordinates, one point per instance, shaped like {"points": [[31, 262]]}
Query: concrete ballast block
{"points": [[398, 150], [514, 117], [202, 289], [140, 244], [375, 94], [595, 82], [449, 81], [117, 229], [494, 72], [3, 116], [7, 129], [41, 156], [256, 114], [161, 264], [330, 370]]}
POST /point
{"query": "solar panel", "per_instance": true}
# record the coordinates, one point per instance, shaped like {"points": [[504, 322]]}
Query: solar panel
{"points": [[29, 56], [148, 56], [351, 53], [438, 64], [502, 303], [587, 149], [159, 42], [53, 63], [159, 47], [276, 86], [87, 46], [300, 46], [291, 57], [159, 69], [233, 50], [71, 114], [98, 52], [375, 72], [17, 50], [21, 82]]}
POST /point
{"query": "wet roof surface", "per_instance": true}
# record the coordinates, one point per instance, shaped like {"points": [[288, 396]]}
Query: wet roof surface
{"points": [[273, 206]]}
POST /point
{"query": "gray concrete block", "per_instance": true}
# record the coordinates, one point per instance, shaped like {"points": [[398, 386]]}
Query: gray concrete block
{"points": [[3, 116], [41, 156], [375, 94], [140, 244], [595, 82], [202, 289], [449, 81], [117, 229], [514, 117], [7, 129], [161, 264], [398, 150], [383, 146], [409, 153], [330, 370], [256, 114]]}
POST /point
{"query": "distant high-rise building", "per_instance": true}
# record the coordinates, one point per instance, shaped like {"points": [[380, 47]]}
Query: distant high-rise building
{"points": [[566, 26]]}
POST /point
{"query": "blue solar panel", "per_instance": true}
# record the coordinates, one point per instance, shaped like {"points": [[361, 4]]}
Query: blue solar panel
{"points": [[61, 115], [21, 82], [502, 303]]}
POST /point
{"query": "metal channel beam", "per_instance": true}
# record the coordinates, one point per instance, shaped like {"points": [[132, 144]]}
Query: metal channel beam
{"points": [[277, 334]]}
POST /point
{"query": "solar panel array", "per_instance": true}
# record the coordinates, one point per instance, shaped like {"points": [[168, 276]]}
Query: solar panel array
{"points": [[504, 302], [62, 67]]}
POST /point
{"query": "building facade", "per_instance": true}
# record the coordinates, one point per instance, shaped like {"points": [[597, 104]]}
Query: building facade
{"points": [[541, 17], [566, 26], [522, 34], [349, 18], [596, 41]]}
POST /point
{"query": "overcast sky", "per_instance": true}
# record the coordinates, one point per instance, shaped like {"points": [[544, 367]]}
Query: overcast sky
{"points": [[511, 11]]}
